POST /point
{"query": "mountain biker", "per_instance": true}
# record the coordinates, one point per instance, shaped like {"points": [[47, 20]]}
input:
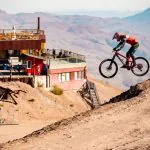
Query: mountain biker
{"points": [[122, 39]]}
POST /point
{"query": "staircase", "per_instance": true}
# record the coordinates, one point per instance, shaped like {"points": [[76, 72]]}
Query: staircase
{"points": [[89, 93]]}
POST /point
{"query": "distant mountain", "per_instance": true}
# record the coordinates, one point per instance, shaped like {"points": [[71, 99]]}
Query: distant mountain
{"points": [[100, 13], [2, 12], [141, 17]]}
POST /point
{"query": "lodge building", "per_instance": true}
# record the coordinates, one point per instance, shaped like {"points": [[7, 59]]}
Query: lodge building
{"points": [[23, 57]]}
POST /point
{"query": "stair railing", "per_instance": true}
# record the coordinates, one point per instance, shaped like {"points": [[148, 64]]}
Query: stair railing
{"points": [[86, 88], [97, 95]]}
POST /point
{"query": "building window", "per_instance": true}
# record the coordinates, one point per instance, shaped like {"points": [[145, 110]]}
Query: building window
{"points": [[62, 77], [29, 64], [79, 75]]}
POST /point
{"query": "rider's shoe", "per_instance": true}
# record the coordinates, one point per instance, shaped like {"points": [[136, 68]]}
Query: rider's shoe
{"points": [[128, 68], [124, 66]]}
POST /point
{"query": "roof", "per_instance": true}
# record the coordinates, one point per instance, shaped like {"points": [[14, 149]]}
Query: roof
{"points": [[37, 57]]}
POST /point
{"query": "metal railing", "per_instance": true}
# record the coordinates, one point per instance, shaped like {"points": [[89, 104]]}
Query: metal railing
{"points": [[21, 34], [91, 86], [64, 55], [86, 89], [34, 31]]}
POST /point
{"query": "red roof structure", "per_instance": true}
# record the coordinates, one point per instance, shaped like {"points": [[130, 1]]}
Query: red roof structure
{"points": [[20, 44]]}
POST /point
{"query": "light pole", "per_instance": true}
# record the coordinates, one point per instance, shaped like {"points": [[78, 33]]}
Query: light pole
{"points": [[47, 68], [10, 69]]}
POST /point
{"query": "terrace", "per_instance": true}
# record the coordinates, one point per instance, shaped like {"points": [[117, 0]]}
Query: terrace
{"points": [[17, 39], [21, 34], [60, 58]]}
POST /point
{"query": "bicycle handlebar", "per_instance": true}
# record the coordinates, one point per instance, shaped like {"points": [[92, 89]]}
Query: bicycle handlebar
{"points": [[117, 49]]}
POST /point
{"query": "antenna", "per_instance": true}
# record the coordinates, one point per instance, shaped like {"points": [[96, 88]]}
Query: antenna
{"points": [[38, 25], [14, 33]]}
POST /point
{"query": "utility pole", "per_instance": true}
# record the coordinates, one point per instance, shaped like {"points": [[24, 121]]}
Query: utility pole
{"points": [[33, 70], [10, 69], [47, 68], [38, 25]]}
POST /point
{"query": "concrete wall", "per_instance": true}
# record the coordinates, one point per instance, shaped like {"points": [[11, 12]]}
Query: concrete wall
{"points": [[67, 85], [41, 81], [54, 79]]}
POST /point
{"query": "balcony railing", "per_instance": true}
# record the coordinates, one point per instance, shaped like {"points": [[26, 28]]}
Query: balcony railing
{"points": [[21, 34], [34, 31], [64, 55]]}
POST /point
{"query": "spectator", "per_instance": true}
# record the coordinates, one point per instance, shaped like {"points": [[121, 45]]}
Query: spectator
{"points": [[54, 53], [38, 69], [45, 69], [18, 68], [60, 54], [64, 54], [4, 66]]}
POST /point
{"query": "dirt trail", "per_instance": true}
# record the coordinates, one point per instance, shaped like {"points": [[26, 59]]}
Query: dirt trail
{"points": [[117, 125]]}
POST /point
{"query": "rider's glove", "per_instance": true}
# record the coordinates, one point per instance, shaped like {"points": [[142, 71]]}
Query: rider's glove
{"points": [[114, 48]]}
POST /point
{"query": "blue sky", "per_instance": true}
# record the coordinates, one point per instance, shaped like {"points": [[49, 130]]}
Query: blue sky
{"points": [[15, 6]]}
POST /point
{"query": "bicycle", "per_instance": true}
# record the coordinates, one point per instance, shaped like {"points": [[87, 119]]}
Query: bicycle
{"points": [[140, 68]]}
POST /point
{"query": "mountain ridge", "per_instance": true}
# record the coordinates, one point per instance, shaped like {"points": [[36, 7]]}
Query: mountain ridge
{"points": [[142, 16]]}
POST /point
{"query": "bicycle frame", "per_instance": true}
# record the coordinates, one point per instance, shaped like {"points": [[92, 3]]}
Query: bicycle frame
{"points": [[118, 55]]}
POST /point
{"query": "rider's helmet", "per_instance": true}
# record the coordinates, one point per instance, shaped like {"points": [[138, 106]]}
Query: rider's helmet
{"points": [[116, 36]]}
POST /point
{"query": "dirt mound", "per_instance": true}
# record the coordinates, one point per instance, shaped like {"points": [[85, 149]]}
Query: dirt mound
{"points": [[132, 92], [34, 108], [122, 125], [32, 104], [38, 104]]}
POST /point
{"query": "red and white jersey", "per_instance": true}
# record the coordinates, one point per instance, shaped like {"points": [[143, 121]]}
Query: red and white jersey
{"points": [[129, 39]]}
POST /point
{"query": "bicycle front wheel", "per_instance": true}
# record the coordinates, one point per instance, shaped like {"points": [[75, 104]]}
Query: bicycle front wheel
{"points": [[142, 66], [108, 68]]}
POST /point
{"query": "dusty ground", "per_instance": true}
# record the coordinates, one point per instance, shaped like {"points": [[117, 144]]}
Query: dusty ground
{"points": [[117, 125], [37, 108]]}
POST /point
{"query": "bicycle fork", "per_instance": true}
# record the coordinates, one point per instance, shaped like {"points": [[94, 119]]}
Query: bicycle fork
{"points": [[110, 66]]}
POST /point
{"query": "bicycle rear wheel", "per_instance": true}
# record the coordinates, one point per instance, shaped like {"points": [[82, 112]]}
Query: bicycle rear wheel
{"points": [[108, 68], [142, 66]]}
